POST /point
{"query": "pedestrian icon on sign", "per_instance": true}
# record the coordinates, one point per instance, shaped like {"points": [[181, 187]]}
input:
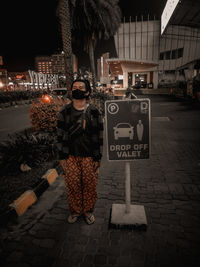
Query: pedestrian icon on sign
{"points": [[140, 130]]}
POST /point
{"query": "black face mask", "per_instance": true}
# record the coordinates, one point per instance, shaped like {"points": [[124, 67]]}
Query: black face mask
{"points": [[78, 94]]}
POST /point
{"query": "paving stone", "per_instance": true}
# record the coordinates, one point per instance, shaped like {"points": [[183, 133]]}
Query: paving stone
{"points": [[57, 217], [100, 259], [44, 243], [125, 261], [61, 263], [41, 261], [15, 256]]}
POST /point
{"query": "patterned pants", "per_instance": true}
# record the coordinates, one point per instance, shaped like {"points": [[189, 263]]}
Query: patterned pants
{"points": [[81, 181]]}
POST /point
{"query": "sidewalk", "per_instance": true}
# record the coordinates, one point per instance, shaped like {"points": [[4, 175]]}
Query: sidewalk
{"points": [[168, 185]]}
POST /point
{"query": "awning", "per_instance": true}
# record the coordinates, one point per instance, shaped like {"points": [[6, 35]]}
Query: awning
{"points": [[115, 65]]}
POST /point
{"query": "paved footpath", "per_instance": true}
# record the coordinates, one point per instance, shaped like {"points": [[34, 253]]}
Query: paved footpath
{"points": [[168, 185]]}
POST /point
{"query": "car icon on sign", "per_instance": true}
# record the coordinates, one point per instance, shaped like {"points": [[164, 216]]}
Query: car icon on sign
{"points": [[123, 130]]}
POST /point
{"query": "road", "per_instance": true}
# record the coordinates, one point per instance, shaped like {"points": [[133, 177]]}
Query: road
{"points": [[13, 119], [167, 184]]}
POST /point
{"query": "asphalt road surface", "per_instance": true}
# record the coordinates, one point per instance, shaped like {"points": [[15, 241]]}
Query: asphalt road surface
{"points": [[13, 119]]}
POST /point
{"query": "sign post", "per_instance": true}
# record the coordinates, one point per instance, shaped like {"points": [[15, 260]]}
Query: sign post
{"points": [[128, 187], [128, 134]]}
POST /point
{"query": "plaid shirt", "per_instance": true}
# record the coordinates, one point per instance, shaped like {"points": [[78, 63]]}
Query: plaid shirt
{"points": [[94, 117]]}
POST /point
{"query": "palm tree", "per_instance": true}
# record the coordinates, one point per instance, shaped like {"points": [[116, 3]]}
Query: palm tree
{"points": [[93, 20], [64, 16]]}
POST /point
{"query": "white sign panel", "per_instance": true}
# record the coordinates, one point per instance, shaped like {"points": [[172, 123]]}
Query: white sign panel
{"points": [[167, 13], [128, 129]]}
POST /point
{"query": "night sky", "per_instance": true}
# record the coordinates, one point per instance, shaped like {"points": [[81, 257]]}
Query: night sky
{"points": [[30, 28]]}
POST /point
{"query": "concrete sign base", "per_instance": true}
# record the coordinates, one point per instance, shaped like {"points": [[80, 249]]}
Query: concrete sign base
{"points": [[136, 217]]}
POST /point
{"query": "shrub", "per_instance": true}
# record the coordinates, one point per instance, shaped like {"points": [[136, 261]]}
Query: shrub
{"points": [[98, 99], [31, 149], [18, 95], [43, 115]]}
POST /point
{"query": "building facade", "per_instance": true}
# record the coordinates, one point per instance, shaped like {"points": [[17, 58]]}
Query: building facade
{"points": [[58, 63], [43, 64], [53, 64], [146, 58]]}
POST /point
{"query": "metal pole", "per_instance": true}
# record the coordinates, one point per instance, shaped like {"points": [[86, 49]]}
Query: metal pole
{"points": [[170, 59], [183, 47], [164, 56], [135, 36], [176, 53], [128, 175], [118, 42], [153, 38], [190, 42], [141, 36], [196, 44], [128, 188], [124, 39], [6, 80], [147, 54], [130, 37]]}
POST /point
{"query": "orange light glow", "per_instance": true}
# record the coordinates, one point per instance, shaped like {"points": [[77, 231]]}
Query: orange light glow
{"points": [[19, 76], [46, 98]]}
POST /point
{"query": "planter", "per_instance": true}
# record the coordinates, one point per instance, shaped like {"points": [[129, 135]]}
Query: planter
{"points": [[41, 187], [27, 199], [50, 176]]}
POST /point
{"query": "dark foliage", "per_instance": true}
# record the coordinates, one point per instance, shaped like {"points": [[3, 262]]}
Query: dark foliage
{"points": [[12, 186], [12, 96], [43, 116], [31, 149]]}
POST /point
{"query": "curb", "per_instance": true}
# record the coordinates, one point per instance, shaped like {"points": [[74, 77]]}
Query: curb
{"points": [[29, 197]]}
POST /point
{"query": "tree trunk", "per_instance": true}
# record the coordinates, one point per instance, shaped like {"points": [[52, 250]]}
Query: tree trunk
{"points": [[92, 63], [66, 40]]}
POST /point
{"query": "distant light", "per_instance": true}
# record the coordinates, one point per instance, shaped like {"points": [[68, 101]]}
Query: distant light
{"points": [[46, 98], [1, 84]]}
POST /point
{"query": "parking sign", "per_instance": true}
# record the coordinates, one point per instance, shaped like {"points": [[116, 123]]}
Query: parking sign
{"points": [[128, 129]]}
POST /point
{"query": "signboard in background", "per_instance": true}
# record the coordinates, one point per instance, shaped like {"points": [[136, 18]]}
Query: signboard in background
{"points": [[128, 129], [1, 60], [167, 13]]}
